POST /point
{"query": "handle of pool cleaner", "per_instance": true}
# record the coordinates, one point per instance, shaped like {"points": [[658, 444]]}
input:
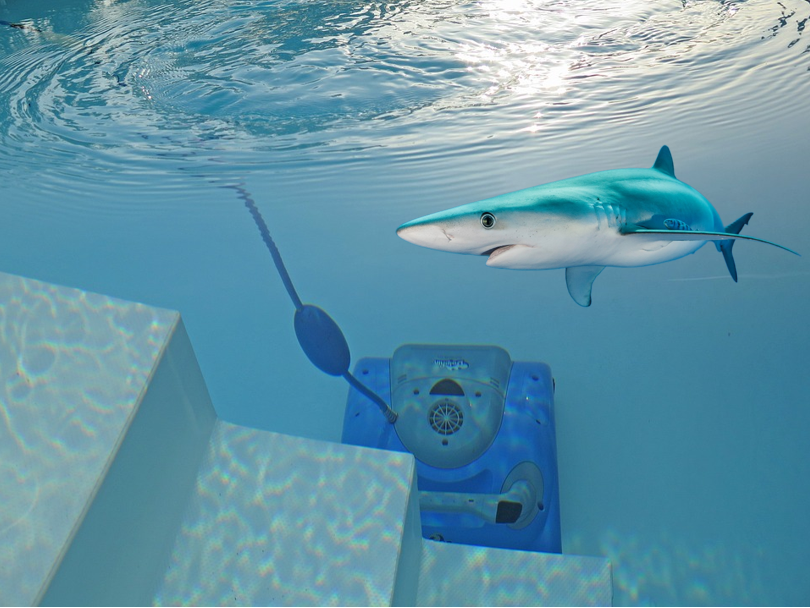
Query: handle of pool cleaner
{"points": [[319, 336], [505, 508]]}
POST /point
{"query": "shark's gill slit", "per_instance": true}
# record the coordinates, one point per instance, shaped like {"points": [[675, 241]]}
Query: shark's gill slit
{"points": [[319, 336]]}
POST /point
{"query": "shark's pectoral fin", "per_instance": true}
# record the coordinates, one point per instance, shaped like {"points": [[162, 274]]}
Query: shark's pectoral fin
{"points": [[692, 235], [579, 280]]}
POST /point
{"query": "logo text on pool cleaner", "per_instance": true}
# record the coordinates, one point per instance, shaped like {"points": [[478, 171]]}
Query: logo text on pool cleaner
{"points": [[452, 364]]}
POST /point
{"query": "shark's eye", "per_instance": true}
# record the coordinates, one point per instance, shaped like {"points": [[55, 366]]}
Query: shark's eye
{"points": [[487, 220]]}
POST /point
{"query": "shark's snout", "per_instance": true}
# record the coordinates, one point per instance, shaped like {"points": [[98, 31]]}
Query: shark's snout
{"points": [[454, 231], [425, 235], [471, 229]]}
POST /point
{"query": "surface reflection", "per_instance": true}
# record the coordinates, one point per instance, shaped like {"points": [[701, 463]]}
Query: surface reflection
{"points": [[239, 79]]}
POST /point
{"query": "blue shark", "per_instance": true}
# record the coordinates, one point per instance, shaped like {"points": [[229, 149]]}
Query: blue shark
{"points": [[619, 217]]}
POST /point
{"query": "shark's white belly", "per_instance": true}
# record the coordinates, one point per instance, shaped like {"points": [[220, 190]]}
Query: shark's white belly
{"points": [[630, 251], [600, 250], [598, 241]]}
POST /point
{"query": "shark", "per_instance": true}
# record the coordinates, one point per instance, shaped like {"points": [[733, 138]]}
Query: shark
{"points": [[619, 217]]}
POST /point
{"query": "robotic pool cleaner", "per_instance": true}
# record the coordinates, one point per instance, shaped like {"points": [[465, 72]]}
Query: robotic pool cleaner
{"points": [[482, 430], [480, 426]]}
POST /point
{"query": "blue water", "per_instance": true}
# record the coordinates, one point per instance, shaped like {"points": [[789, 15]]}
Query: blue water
{"points": [[682, 397]]}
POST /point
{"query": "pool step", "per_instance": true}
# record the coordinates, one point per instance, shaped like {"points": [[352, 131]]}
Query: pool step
{"points": [[104, 418], [281, 520], [118, 485], [460, 575]]}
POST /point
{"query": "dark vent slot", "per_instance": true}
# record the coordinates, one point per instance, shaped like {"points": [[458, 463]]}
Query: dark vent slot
{"points": [[447, 387]]}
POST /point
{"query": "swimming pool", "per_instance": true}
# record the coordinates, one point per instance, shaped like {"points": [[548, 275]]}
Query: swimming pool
{"points": [[681, 397]]}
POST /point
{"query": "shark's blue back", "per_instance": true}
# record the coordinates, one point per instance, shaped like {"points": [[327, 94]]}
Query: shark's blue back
{"points": [[647, 196]]}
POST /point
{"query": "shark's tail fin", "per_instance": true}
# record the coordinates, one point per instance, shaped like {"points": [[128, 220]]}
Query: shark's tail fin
{"points": [[725, 246]]}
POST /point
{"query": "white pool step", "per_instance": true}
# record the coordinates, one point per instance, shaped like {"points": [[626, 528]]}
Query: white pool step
{"points": [[119, 486]]}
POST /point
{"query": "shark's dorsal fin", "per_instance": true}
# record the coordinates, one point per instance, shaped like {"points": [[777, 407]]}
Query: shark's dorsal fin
{"points": [[664, 161], [579, 280]]}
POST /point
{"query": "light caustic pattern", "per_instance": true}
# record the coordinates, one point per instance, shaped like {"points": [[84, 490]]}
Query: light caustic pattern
{"points": [[272, 510], [73, 366], [226, 83]]}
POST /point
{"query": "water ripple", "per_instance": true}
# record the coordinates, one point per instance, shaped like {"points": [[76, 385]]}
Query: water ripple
{"points": [[132, 91]]}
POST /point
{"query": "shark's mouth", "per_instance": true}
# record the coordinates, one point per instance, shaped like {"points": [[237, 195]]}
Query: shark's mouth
{"points": [[494, 253]]}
